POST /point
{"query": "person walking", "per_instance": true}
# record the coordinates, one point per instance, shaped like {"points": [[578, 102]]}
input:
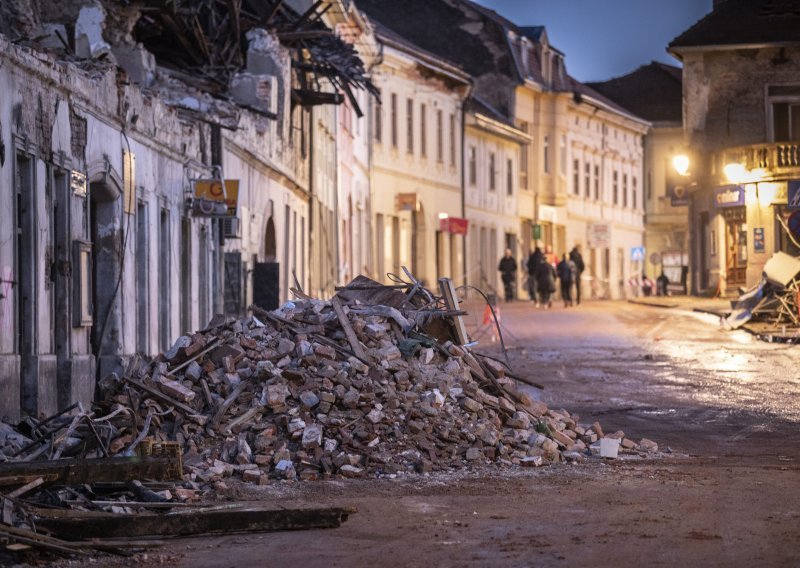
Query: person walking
{"points": [[508, 274], [576, 257], [534, 259], [545, 283], [566, 276]]}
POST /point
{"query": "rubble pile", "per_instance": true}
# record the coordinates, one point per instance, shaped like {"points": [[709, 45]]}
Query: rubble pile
{"points": [[284, 395]]}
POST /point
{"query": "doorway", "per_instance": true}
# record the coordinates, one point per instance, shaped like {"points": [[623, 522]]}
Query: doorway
{"points": [[735, 245]]}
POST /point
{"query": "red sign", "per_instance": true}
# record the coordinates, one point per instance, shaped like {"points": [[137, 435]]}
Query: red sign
{"points": [[454, 225]]}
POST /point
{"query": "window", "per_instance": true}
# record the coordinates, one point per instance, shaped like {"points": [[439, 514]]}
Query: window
{"points": [[635, 198], [439, 136], [164, 270], [624, 190], [473, 166], [509, 177], [393, 111], [649, 184], [423, 138], [562, 148], [410, 126], [523, 158], [615, 187], [576, 179], [784, 106], [546, 154], [452, 140], [378, 121], [597, 182], [587, 168], [492, 172]]}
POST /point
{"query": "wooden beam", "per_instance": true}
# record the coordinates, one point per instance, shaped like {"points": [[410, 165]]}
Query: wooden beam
{"points": [[355, 344], [77, 472], [216, 520]]}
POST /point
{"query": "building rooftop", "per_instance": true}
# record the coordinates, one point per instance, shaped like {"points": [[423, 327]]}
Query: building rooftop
{"points": [[653, 92], [744, 22]]}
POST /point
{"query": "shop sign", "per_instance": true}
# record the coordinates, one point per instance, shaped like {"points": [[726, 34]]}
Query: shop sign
{"points": [[758, 239], [793, 194], [729, 196], [599, 235], [536, 232], [406, 201], [678, 194], [454, 225], [214, 201]]}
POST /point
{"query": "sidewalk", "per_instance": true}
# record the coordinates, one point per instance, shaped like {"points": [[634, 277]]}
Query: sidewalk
{"points": [[765, 331]]}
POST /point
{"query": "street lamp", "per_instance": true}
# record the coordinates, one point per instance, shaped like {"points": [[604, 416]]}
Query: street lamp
{"points": [[681, 164]]}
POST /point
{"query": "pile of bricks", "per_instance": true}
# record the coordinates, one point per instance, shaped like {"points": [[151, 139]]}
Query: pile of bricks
{"points": [[317, 389]]}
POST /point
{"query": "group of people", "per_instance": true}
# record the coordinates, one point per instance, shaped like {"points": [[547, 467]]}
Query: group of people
{"points": [[544, 269]]}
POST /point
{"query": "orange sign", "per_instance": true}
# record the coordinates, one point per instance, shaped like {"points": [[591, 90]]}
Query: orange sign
{"points": [[211, 190], [406, 201]]}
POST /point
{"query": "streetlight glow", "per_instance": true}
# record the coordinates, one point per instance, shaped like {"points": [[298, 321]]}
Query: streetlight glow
{"points": [[735, 172], [681, 164]]}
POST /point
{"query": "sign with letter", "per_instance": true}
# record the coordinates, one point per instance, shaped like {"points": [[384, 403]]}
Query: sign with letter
{"points": [[677, 192], [729, 196], [215, 201], [406, 201], [599, 235], [793, 194], [454, 225]]}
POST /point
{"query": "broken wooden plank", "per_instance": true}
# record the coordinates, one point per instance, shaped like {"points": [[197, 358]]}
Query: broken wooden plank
{"points": [[227, 403], [27, 488], [227, 520], [247, 416], [29, 537], [76, 472], [355, 344], [187, 410]]}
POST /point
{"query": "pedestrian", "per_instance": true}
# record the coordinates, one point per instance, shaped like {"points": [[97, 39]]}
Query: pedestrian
{"points": [[576, 257], [566, 276], [534, 259], [508, 274], [545, 283], [647, 285], [661, 285], [550, 256]]}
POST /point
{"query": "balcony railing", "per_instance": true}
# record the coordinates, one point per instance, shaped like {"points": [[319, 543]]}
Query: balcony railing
{"points": [[777, 159]]}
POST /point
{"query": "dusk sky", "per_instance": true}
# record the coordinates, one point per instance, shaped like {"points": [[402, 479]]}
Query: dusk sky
{"points": [[606, 38]]}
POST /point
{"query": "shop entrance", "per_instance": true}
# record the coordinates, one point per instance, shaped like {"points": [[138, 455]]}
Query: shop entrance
{"points": [[735, 245]]}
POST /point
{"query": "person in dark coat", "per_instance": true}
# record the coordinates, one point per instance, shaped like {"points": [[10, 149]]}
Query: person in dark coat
{"points": [[534, 259], [508, 273], [545, 283], [662, 282], [576, 257], [566, 275]]}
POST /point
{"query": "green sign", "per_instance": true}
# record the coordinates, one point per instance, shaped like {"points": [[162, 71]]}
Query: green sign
{"points": [[536, 232]]}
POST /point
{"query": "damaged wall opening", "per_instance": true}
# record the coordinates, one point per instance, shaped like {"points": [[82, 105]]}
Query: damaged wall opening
{"points": [[105, 234]]}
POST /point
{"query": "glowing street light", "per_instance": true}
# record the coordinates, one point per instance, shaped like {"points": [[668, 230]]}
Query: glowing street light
{"points": [[681, 164], [735, 172]]}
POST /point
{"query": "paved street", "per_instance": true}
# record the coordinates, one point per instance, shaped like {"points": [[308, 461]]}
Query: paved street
{"points": [[726, 405]]}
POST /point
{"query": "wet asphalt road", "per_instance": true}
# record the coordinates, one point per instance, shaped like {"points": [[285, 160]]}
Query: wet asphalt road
{"points": [[670, 375]]}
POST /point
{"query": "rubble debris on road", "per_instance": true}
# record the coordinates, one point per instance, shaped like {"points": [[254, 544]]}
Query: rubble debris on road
{"points": [[347, 387], [775, 299]]}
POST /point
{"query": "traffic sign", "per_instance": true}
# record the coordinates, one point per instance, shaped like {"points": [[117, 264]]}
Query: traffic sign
{"points": [[794, 223], [637, 254]]}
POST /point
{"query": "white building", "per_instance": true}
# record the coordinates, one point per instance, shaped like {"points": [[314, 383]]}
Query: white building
{"points": [[416, 169]]}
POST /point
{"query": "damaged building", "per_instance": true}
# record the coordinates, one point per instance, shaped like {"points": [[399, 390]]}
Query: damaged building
{"points": [[154, 170]]}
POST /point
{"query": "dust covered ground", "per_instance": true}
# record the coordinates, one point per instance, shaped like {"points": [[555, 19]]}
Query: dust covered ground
{"points": [[724, 408]]}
